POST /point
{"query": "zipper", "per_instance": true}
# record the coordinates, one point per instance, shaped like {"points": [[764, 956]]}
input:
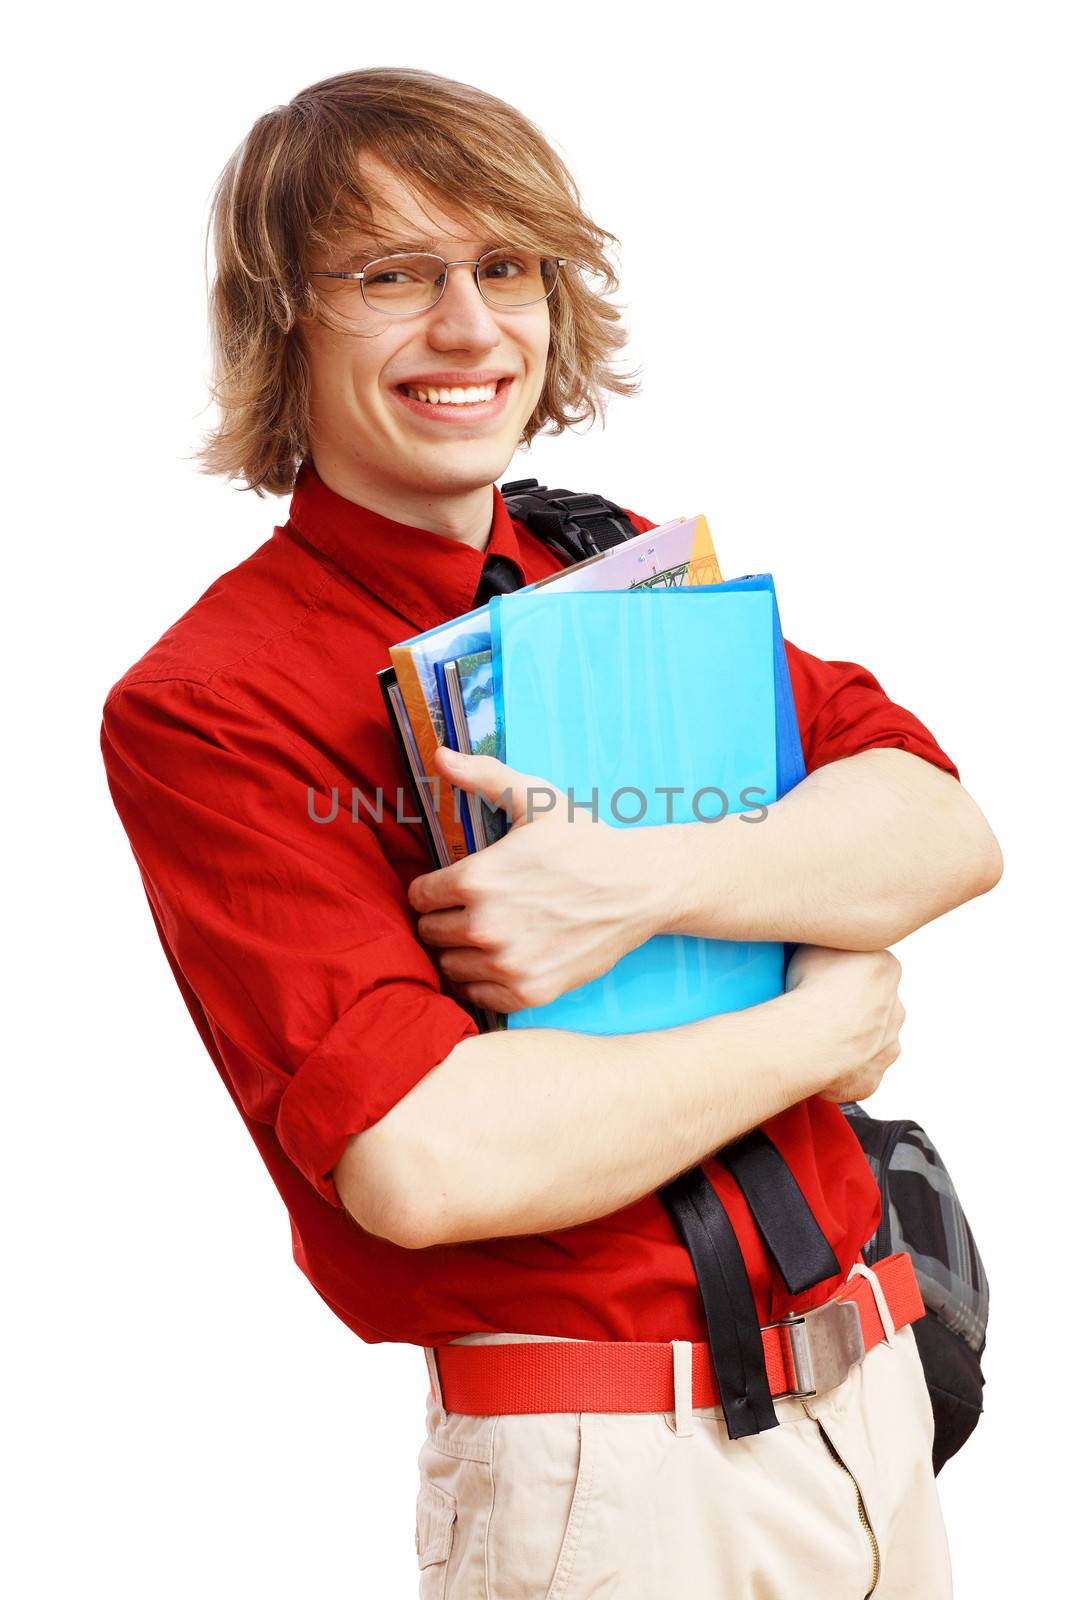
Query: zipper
{"points": [[865, 1521]]}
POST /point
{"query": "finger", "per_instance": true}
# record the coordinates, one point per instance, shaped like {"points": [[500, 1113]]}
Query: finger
{"points": [[445, 928], [464, 964], [519, 795], [490, 997], [436, 891], [485, 773]]}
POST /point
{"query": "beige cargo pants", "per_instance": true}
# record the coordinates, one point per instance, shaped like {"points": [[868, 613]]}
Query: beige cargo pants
{"points": [[837, 1503]]}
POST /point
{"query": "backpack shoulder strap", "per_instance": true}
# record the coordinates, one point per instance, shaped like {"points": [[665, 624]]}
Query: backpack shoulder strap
{"points": [[575, 526]]}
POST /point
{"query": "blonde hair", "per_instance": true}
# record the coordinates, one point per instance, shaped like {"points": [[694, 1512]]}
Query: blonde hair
{"points": [[293, 186]]}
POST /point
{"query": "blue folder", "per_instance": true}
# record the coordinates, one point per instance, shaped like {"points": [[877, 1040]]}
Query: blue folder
{"points": [[627, 692]]}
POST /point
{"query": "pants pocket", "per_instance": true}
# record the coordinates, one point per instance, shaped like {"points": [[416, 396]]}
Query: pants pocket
{"points": [[453, 1505], [543, 1472], [435, 1521]]}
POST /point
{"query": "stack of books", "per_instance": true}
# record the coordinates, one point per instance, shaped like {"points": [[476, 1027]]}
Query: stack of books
{"points": [[637, 682]]}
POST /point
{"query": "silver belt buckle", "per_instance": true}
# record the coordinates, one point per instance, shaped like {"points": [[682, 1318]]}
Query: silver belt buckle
{"points": [[825, 1344]]}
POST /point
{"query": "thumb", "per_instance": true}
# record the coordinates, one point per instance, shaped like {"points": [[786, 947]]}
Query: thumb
{"points": [[523, 796]]}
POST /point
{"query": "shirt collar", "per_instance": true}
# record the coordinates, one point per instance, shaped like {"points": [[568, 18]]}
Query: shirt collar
{"points": [[426, 577]]}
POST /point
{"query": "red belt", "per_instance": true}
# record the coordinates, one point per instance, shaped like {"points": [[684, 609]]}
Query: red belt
{"points": [[806, 1355]]}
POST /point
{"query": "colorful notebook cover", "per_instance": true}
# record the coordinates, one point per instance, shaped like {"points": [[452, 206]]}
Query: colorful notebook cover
{"points": [[454, 742], [471, 706], [466, 690], [632, 693], [418, 785]]}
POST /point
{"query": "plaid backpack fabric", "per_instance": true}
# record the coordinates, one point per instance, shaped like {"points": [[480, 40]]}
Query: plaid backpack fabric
{"points": [[922, 1214]]}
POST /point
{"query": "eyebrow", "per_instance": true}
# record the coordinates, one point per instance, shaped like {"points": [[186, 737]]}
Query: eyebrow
{"points": [[382, 247]]}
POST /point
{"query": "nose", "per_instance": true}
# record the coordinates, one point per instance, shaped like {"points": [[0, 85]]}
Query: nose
{"points": [[461, 318]]}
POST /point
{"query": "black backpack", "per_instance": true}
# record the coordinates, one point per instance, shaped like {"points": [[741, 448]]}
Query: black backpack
{"points": [[922, 1214], [921, 1211]]}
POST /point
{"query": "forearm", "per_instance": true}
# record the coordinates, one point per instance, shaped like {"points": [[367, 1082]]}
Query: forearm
{"points": [[858, 855], [534, 1130]]}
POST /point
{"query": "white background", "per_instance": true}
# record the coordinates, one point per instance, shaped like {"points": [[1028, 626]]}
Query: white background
{"points": [[843, 262]]}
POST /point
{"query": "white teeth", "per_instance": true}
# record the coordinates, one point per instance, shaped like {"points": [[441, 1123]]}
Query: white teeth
{"points": [[454, 397]]}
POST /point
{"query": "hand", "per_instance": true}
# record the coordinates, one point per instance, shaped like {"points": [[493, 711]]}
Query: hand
{"points": [[553, 904], [854, 993]]}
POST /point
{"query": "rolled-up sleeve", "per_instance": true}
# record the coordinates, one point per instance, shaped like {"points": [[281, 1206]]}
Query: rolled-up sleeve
{"points": [[294, 934], [842, 709]]}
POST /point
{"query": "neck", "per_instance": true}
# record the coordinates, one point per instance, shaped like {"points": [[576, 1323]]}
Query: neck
{"points": [[465, 516]]}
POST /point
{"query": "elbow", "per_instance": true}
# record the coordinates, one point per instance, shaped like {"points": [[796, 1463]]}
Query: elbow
{"points": [[984, 862], [976, 868], [369, 1187], [418, 1226], [991, 868], [970, 851], [411, 1177], [391, 1217], [395, 1220], [968, 860], [378, 1187]]}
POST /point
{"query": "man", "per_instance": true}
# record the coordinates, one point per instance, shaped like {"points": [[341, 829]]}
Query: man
{"points": [[459, 1190]]}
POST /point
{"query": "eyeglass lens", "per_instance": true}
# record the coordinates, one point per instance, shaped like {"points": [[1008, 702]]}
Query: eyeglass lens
{"points": [[403, 284]]}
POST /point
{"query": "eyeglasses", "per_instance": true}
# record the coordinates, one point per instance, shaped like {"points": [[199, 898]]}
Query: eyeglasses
{"points": [[404, 285]]}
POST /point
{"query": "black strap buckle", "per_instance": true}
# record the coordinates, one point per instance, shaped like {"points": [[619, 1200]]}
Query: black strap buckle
{"points": [[575, 526]]}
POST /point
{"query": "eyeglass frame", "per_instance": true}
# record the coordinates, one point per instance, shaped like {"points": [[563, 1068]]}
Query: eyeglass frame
{"points": [[402, 255]]}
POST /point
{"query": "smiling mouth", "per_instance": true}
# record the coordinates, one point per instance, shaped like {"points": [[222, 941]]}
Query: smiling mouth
{"points": [[453, 394]]}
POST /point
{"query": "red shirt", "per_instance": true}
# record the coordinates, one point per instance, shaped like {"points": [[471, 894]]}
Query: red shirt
{"points": [[294, 947]]}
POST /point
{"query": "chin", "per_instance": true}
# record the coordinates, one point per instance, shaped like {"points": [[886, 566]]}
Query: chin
{"points": [[454, 471]]}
